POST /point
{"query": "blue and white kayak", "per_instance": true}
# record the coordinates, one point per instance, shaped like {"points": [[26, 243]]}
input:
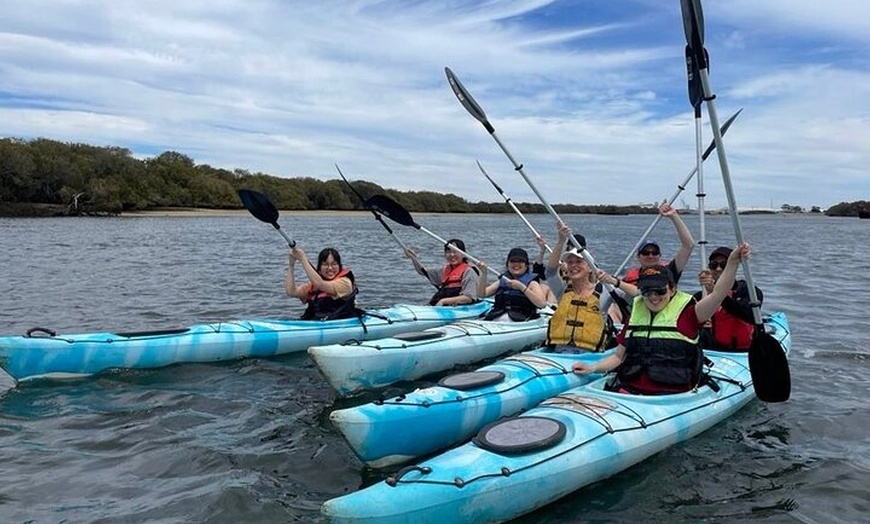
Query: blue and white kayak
{"points": [[516, 465], [364, 365], [398, 429], [43, 354]]}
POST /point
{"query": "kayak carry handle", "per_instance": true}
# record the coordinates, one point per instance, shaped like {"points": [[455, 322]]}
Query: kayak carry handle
{"points": [[31, 331], [392, 481]]}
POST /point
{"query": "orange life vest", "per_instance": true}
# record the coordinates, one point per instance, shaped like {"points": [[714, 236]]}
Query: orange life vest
{"points": [[324, 306]]}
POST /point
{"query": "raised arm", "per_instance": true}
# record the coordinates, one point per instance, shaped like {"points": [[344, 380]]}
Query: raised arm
{"points": [[484, 290], [418, 266], [705, 307], [687, 242], [561, 237]]}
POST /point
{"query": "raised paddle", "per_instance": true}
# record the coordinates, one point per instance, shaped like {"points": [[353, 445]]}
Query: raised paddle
{"points": [[696, 98], [476, 111], [513, 206], [264, 210], [374, 212], [377, 215], [398, 214], [768, 364], [680, 188]]}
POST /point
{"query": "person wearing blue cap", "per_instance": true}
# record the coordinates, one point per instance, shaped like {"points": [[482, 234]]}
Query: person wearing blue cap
{"points": [[649, 253]]}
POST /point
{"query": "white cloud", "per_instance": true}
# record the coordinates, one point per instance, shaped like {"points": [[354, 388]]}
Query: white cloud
{"points": [[593, 106]]}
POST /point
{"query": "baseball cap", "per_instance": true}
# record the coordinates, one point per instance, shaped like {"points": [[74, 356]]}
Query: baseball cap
{"points": [[654, 277], [720, 251]]}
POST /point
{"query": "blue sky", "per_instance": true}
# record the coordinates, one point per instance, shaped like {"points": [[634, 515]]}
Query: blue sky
{"points": [[590, 95]]}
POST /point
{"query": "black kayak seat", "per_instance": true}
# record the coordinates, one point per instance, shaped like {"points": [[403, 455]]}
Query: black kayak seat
{"points": [[518, 435], [471, 380]]}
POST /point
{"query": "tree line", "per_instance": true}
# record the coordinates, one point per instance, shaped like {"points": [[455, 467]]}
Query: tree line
{"points": [[43, 176], [75, 178]]}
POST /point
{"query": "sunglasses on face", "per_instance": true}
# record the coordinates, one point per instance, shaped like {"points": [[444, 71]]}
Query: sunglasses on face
{"points": [[656, 291], [714, 265], [650, 253], [517, 261]]}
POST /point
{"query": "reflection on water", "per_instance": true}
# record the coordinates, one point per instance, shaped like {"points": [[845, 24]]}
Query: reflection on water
{"points": [[250, 441]]}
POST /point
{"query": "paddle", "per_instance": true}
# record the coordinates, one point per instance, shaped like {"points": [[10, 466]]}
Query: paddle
{"points": [[264, 210], [471, 105], [680, 188], [375, 213], [513, 206], [696, 94], [768, 364], [395, 212]]}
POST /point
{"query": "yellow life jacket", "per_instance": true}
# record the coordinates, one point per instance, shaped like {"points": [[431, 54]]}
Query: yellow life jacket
{"points": [[579, 322]]}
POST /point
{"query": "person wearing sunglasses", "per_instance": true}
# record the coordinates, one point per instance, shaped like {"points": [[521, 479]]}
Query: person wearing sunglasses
{"points": [[659, 349], [732, 326], [518, 295], [456, 281], [330, 291], [649, 252]]}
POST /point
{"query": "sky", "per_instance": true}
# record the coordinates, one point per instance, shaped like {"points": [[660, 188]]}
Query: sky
{"points": [[590, 96]]}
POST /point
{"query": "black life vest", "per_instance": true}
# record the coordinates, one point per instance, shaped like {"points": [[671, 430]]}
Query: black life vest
{"points": [[323, 306], [513, 301]]}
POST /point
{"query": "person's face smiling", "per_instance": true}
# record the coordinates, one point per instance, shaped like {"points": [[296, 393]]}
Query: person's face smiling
{"points": [[517, 266], [329, 268], [452, 257], [656, 298]]}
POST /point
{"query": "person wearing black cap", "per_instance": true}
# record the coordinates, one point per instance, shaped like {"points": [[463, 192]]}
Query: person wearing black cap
{"points": [[659, 350], [517, 292], [457, 280], [732, 326], [649, 252]]}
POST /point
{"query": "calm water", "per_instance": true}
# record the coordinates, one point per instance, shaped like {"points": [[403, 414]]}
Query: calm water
{"points": [[249, 441]]}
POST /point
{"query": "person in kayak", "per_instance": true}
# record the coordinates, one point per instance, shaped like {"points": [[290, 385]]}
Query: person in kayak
{"points": [[518, 295], [659, 350], [580, 323], [732, 326], [649, 253], [331, 289], [457, 280]]}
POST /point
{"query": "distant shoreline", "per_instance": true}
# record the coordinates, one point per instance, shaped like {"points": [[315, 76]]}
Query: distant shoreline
{"points": [[25, 210], [205, 212]]}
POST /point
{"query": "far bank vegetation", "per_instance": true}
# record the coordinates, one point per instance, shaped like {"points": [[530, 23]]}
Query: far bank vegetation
{"points": [[47, 177]]}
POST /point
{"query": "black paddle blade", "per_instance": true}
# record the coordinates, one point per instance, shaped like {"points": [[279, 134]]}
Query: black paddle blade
{"points": [[723, 130], [391, 209], [693, 25], [696, 90], [768, 366], [467, 101], [260, 206]]}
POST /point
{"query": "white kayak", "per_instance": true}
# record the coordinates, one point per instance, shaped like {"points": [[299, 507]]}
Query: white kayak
{"points": [[358, 365]]}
